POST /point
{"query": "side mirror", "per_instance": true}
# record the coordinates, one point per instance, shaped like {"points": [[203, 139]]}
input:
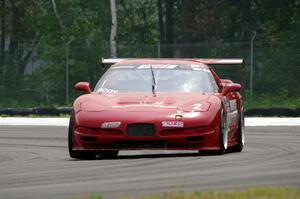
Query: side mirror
{"points": [[231, 87], [83, 86], [226, 81]]}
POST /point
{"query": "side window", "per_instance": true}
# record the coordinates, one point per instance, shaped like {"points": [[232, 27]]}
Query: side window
{"points": [[213, 82], [216, 79]]}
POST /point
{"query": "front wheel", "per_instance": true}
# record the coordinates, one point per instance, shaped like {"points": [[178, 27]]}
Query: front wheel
{"points": [[76, 154], [223, 133], [240, 133]]}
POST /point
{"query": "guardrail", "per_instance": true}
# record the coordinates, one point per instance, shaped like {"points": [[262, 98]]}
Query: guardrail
{"points": [[36, 111], [285, 112]]}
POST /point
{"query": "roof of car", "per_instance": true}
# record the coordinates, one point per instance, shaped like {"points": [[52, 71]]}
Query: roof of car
{"points": [[189, 63]]}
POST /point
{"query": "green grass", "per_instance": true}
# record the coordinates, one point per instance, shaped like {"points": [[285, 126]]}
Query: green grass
{"points": [[251, 193], [268, 101], [272, 102]]}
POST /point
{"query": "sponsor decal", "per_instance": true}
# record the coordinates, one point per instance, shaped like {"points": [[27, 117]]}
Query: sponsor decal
{"points": [[143, 105], [178, 124], [167, 66], [107, 90], [124, 66], [109, 125], [199, 67]]}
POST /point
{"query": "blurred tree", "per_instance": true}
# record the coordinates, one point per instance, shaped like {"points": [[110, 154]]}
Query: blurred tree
{"points": [[32, 28], [18, 40], [113, 32]]}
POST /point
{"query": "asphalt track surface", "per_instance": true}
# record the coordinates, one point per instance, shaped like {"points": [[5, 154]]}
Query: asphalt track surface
{"points": [[34, 163]]}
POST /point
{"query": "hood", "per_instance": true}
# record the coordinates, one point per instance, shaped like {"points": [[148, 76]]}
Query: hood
{"points": [[144, 102]]}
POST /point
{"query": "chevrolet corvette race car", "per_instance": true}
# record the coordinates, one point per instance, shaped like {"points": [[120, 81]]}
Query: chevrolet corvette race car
{"points": [[172, 104]]}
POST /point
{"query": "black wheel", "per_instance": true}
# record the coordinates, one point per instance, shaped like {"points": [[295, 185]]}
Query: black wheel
{"points": [[223, 133], [76, 154], [240, 134], [108, 154]]}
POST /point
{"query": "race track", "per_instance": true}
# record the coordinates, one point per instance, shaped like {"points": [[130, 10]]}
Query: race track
{"points": [[34, 163]]}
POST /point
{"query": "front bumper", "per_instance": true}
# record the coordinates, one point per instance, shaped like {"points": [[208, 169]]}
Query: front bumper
{"points": [[200, 131], [96, 139]]}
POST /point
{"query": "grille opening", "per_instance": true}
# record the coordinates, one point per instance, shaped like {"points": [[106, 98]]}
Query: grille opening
{"points": [[195, 138], [89, 138], [140, 129]]}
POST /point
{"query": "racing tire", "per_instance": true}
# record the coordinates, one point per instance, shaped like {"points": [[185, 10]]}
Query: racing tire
{"points": [[108, 154], [223, 133], [240, 134], [83, 155], [223, 138]]}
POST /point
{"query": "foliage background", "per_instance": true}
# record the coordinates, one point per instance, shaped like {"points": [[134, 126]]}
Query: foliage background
{"points": [[33, 44]]}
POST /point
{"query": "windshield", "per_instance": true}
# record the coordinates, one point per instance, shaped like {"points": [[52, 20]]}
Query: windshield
{"points": [[168, 78]]}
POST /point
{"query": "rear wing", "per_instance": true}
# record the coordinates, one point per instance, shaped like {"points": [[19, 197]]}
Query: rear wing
{"points": [[112, 60], [219, 61], [204, 61]]}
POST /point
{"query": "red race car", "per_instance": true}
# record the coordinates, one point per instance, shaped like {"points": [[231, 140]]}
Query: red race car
{"points": [[173, 104]]}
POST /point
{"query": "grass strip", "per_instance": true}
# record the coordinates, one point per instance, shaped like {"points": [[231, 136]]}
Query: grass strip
{"points": [[250, 193]]}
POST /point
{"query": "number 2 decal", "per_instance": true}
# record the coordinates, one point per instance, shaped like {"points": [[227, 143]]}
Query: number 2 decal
{"points": [[197, 106]]}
